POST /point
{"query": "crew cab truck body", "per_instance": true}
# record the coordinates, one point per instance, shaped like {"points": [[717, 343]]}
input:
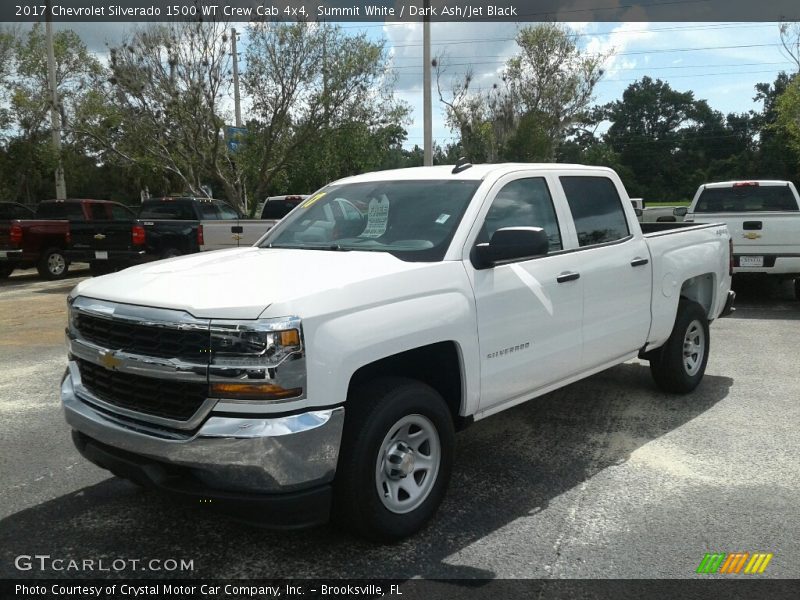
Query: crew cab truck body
{"points": [[763, 218], [176, 225], [44, 240], [329, 366]]}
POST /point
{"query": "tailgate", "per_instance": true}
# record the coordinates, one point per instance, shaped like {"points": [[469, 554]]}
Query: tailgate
{"points": [[102, 236], [761, 233]]}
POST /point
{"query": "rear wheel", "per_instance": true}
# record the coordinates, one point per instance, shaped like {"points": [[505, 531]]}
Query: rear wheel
{"points": [[396, 458], [679, 365], [53, 264]]}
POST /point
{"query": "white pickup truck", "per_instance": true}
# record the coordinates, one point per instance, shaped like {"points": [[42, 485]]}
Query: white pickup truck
{"points": [[763, 218], [328, 367]]}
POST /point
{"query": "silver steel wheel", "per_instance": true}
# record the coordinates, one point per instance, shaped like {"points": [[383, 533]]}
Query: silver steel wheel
{"points": [[694, 347], [56, 264], [408, 463]]}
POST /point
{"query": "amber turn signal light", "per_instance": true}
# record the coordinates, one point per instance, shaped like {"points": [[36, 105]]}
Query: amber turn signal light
{"points": [[253, 391]]}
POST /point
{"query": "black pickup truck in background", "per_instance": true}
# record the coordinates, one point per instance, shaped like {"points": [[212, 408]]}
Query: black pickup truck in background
{"points": [[109, 239], [184, 225]]}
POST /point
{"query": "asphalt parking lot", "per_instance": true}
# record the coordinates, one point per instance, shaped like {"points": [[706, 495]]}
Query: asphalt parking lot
{"points": [[607, 478]]}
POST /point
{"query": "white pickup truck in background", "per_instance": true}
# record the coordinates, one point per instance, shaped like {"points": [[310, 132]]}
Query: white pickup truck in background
{"points": [[763, 218], [328, 367]]}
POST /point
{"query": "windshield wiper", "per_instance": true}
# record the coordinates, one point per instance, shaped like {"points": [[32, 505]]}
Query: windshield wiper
{"points": [[330, 247]]}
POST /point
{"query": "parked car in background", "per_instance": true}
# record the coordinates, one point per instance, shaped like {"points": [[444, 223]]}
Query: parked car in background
{"points": [[45, 240], [763, 218], [327, 368], [183, 225], [277, 207]]}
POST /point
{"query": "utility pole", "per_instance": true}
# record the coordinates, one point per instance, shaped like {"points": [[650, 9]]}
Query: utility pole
{"points": [[55, 114], [237, 101], [426, 84]]}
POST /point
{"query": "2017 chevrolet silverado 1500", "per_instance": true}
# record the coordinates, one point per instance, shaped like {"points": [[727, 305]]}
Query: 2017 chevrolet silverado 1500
{"points": [[763, 218], [329, 366]]}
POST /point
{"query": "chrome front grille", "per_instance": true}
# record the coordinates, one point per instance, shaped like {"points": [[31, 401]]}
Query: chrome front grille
{"points": [[175, 400], [142, 363], [135, 338]]}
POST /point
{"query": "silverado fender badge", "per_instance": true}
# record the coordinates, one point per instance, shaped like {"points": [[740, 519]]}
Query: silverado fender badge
{"points": [[110, 361]]}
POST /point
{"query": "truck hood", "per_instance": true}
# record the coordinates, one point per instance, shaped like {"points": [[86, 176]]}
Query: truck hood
{"points": [[240, 283]]}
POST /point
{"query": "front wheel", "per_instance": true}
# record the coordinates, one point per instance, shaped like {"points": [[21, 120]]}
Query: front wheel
{"points": [[53, 264], [679, 365], [396, 458]]}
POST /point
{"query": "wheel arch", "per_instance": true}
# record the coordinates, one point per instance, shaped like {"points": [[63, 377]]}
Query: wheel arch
{"points": [[701, 289], [439, 365]]}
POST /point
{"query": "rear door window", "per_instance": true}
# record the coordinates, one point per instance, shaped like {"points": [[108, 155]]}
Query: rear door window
{"points": [[596, 209]]}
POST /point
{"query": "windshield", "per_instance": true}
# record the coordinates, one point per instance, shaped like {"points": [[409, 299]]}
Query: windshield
{"points": [[746, 198], [413, 220]]}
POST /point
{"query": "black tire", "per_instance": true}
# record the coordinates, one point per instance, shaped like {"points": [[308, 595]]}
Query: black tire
{"points": [[5, 271], [373, 412], [673, 369], [53, 264]]}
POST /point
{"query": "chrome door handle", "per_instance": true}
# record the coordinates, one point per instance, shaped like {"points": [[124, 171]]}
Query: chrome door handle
{"points": [[639, 262]]}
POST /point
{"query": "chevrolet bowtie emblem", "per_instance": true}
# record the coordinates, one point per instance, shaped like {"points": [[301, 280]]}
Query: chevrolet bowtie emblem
{"points": [[99, 236], [750, 235], [110, 361]]}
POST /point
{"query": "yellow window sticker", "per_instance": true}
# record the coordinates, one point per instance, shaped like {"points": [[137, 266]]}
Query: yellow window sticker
{"points": [[313, 199]]}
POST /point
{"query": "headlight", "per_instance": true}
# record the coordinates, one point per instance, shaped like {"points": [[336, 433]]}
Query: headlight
{"points": [[257, 360]]}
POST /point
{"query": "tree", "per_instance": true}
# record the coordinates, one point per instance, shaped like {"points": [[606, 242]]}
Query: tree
{"points": [[788, 114], [164, 106], [790, 41], [28, 154], [307, 82], [543, 91]]}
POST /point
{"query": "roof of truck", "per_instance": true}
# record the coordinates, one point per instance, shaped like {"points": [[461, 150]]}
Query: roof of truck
{"points": [[474, 172]]}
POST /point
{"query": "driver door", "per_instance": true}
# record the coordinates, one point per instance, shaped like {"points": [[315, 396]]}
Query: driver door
{"points": [[529, 312]]}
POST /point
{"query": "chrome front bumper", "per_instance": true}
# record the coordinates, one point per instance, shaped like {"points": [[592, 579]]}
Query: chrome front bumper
{"points": [[260, 455]]}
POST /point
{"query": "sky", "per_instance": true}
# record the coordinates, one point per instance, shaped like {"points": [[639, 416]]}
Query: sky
{"points": [[720, 62]]}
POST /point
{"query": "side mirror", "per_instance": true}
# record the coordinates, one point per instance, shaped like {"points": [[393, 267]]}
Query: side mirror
{"points": [[680, 211], [509, 244]]}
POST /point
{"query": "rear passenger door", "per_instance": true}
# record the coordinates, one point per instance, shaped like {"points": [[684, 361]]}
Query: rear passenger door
{"points": [[529, 311], [614, 267]]}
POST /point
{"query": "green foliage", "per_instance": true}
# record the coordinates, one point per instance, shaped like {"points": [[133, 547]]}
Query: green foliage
{"points": [[544, 90]]}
